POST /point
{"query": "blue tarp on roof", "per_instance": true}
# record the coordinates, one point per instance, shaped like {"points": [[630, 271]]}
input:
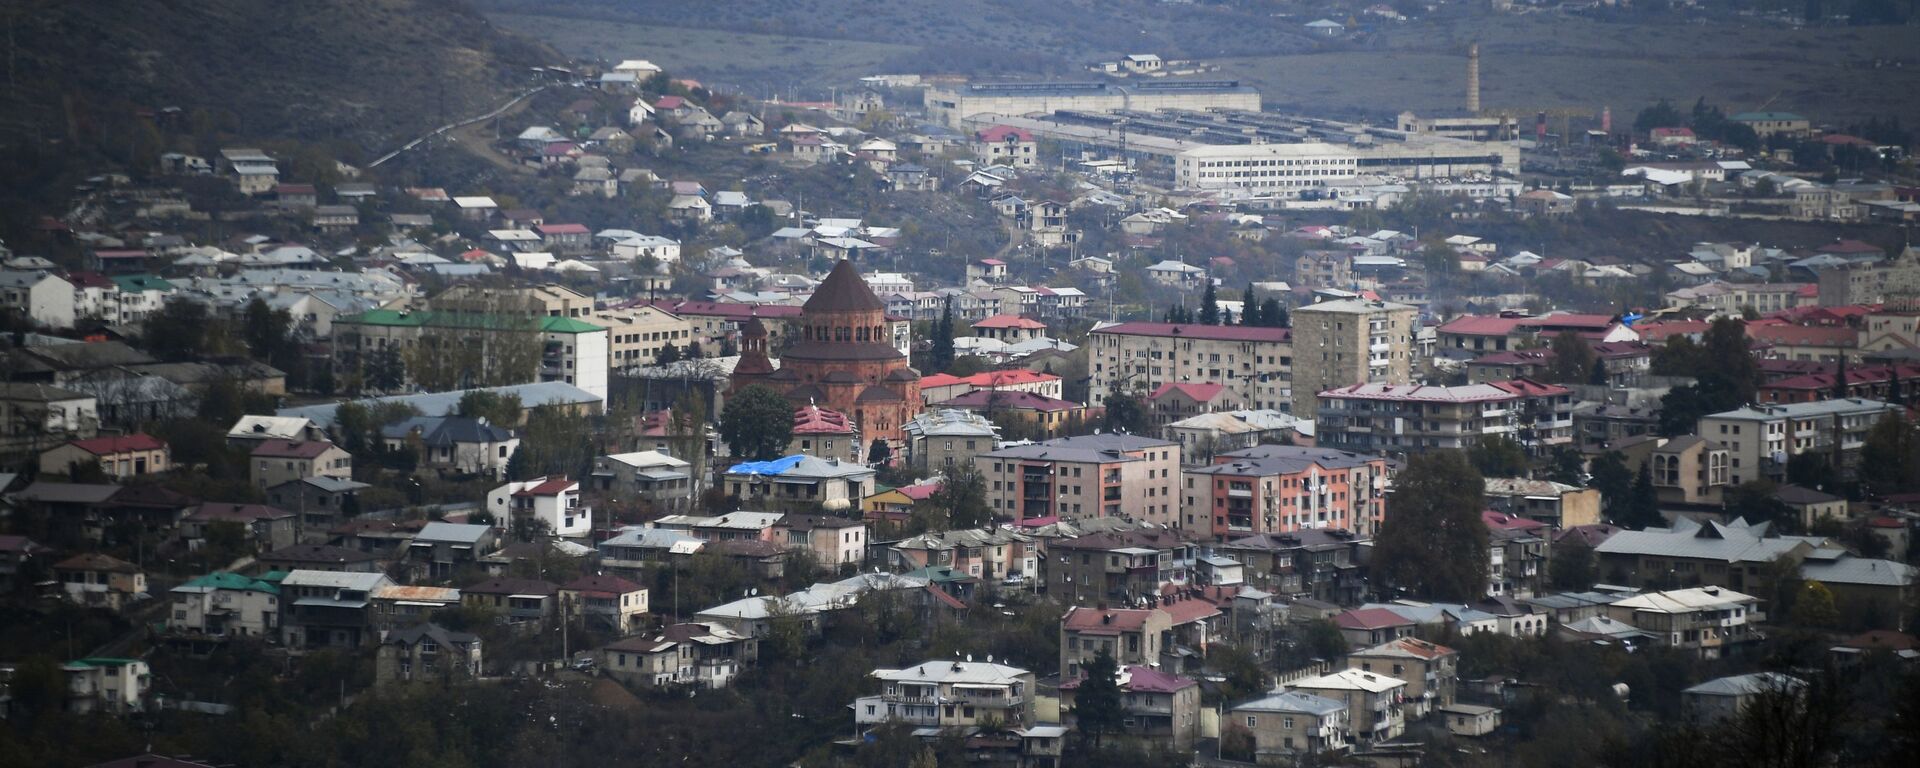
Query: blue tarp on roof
{"points": [[775, 467]]}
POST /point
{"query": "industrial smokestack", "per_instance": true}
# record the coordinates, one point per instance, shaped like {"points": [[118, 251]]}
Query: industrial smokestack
{"points": [[1606, 120], [1540, 127], [1473, 78]]}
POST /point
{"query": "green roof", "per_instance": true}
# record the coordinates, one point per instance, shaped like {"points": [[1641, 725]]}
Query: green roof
{"points": [[232, 581], [423, 318], [138, 283], [102, 661]]}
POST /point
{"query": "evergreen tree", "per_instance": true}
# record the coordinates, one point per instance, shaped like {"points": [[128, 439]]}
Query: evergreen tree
{"points": [[1643, 505], [1839, 391], [668, 355], [1249, 307], [1573, 359], [940, 354], [1598, 376], [1273, 315], [1434, 544], [1096, 705], [1614, 481], [1209, 307], [1498, 456], [1890, 460]]}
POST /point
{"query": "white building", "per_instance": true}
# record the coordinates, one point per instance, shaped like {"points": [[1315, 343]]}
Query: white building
{"points": [[1284, 170], [110, 685], [225, 605], [553, 500], [42, 297]]}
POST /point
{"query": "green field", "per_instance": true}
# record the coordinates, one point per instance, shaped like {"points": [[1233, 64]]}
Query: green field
{"points": [[738, 58], [1533, 63]]}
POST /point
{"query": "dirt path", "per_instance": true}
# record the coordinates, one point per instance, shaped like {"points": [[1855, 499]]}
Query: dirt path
{"points": [[471, 133]]}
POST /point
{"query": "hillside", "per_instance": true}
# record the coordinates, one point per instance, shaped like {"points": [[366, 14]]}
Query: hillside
{"points": [[359, 72]]}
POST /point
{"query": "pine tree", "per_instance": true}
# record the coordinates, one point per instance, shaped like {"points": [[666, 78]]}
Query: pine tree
{"points": [[1840, 379], [1097, 704], [1643, 507], [1209, 307], [1249, 307], [940, 355], [1273, 315]]}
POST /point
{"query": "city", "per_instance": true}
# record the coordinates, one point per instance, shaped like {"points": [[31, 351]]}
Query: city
{"points": [[596, 399]]}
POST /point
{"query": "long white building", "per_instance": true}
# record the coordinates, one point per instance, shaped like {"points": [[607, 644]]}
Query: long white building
{"points": [[1265, 169]]}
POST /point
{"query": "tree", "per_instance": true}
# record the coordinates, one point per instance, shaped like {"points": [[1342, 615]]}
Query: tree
{"points": [[1755, 501], [1660, 115], [1812, 470], [1680, 356], [757, 423], [940, 354], [1249, 307], [385, 370], [1096, 705], [1273, 315], [1498, 456], [1126, 413], [1573, 360], [1565, 465], [177, 332], [1209, 307], [1730, 367], [880, 453], [497, 409], [1433, 544], [1815, 607], [1598, 376], [1890, 459], [1572, 568], [962, 497], [1179, 314], [1614, 481], [1643, 504]]}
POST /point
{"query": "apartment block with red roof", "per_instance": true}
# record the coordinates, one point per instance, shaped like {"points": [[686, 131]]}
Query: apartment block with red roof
{"points": [[119, 457], [1158, 707], [1255, 365], [1498, 333], [824, 433], [1817, 343], [941, 387], [1043, 417]]}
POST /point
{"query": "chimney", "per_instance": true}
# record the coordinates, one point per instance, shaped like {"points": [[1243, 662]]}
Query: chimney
{"points": [[1606, 120], [1473, 78]]}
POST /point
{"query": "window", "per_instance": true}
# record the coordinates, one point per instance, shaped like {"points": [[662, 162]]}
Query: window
{"points": [[1252, 722]]}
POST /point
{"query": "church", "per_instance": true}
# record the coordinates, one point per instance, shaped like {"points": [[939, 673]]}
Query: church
{"points": [[840, 357]]}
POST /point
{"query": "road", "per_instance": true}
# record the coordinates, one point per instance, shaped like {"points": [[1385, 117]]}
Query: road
{"points": [[513, 105]]}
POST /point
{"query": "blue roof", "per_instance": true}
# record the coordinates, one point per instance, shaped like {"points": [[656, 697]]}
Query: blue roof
{"points": [[775, 467]]}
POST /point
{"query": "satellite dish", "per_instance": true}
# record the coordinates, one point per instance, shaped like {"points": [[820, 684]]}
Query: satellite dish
{"points": [[754, 592]]}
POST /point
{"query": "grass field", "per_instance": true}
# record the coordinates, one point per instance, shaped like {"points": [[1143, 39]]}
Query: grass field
{"points": [[1530, 63], [747, 60]]}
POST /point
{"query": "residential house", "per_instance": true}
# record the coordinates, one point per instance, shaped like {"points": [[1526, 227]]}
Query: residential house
{"points": [[664, 482], [993, 555], [35, 417], [1157, 708], [1469, 719], [1316, 563], [1556, 504], [454, 444], [835, 542], [94, 579], [427, 652], [693, 654], [1121, 566], [949, 694], [1430, 670], [1374, 701], [1724, 698], [319, 557], [1289, 725], [1517, 554], [397, 607], [1005, 145], [319, 502], [269, 528], [607, 602], [328, 609], [276, 462], [106, 685], [527, 602], [1734, 555], [222, 604], [940, 438], [799, 482], [1373, 626], [552, 502], [1706, 621], [41, 297], [119, 458], [442, 549]]}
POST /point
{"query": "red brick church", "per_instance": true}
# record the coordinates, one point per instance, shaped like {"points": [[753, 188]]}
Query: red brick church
{"points": [[840, 358]]}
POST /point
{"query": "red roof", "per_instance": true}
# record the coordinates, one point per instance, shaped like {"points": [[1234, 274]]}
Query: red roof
{"points": [[721, 309], [1803, 335], [1094, 621], [1665, 132], [1824, 380], [814, 420], [1011, 321], [1198, 331], [221, 511], [1197, 392], [554, 485], [1531, 388], [1501, 521], [1141, 679], [919, 491], [107, 446], [999, 133], [1481, 325], [1187, 610], [1370, 618], [989, 379], [670, 102], [1012, 399], [562, 229], [292, 449]]}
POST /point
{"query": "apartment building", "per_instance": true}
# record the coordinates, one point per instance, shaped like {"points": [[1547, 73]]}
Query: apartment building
{"points": [[1510, 331], [1119, 566], [1687, 470], [534, 300], [1350, 341], [1291, 724], [1107, 475], [1253, 364], [636, 335], [1431, 671], [1373, 701], [1322, 564], [1398, 418], [1132, 636], [1556, 504], [1156, 707], [1760, 439], [568, 349], [1284, 489]]}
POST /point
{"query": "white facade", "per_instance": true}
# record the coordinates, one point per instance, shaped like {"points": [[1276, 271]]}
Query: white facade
{"points": [[1276, 169], [553, 500], [577, 356], [113, 686], [44, 298], [665, 250]]}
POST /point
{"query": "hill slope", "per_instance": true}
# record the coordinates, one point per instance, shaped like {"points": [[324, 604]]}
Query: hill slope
{"points": [[363, 71]]}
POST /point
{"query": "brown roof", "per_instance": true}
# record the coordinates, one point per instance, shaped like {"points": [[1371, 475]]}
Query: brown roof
{"points": [[843, 291], [511, 587], [292, 449], [94, 561]]}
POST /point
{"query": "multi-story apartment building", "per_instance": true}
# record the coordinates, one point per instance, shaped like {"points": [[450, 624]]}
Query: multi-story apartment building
{"points": [[1322, 564], [1517, 552], [1431, 671], [1130, 635], [1732, 555], [696, 654], [939, 438], [1703, 620], [545, 348], [1687, 470], [1108, 475], [102, 684], [636, 335], [990, 554], [1121, 567], [535, 300], [1556, 504], [1283, 489], [1386, 417], [1373, 701], [1156, 707], [328, 609], [949, 693], [1760, 439], [1350, 341], [1254, 364]]}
